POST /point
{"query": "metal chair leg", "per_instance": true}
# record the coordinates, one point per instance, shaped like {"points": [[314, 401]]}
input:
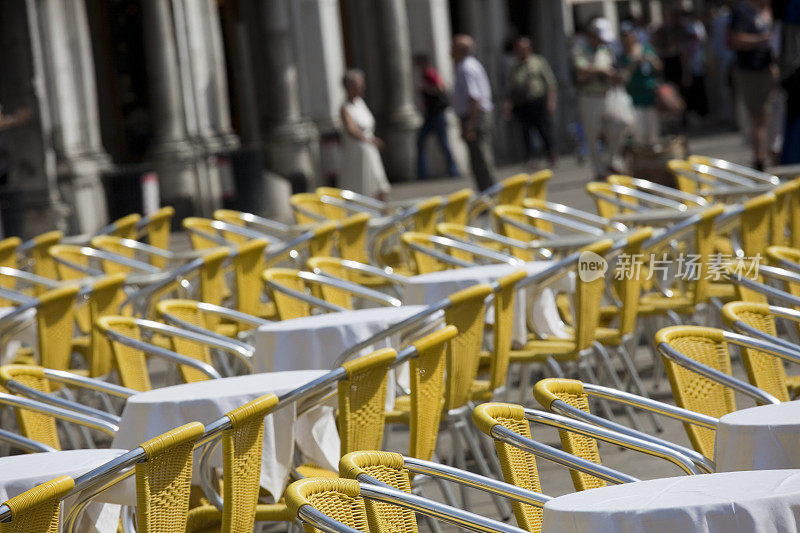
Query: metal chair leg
{"points": [[601, 352], [636, 380]]}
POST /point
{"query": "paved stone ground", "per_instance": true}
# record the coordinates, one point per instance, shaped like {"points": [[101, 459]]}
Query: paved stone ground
{"points": [[567, 186]]}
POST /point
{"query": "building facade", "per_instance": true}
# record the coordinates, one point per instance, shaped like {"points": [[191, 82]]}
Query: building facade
{"points": [[208, 94]]}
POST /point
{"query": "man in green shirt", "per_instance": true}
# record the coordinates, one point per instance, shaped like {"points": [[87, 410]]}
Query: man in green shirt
{"points": [[640, 66], [531, 96]]}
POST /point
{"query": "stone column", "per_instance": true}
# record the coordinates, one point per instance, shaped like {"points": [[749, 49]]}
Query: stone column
{"points": [[431, 34], [69, 76], [171, 151], [287, 137]]}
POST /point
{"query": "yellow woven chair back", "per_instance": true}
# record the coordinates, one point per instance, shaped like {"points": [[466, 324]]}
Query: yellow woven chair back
{"points": [[570, 391], [456, 210], [130, 363], [519, 467], [287, 307], [309, 209], [785, 257], [332, 212], [763, 370], [336, 498], [787, 198], [248, 264], [323, 240], [362, 401], [104, 300], [38, 510], [157, 229], [241, 466], [55, 320], [516, 213], [111, 243], [201, 232], [43, 264], [37, 426], [125, 227], [212, 276], [693, 391], [386, 467], [682, 170], [503, 328], [459, 233], [629, 288], [426, 376], [353, 238], [72, 255], [793, 206], [163, 481], [425, 219], [588, 295], [537, 184], [467, 313], [598, 189], [423, 262], [331, 266], [705, 237], [755, 224], [8, 258], [513, 190]]}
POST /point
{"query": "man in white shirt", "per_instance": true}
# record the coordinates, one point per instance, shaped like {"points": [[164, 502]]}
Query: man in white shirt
{"points": [[472, 102]]}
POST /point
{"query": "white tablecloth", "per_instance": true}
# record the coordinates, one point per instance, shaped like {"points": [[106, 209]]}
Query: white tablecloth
{"points": [[760, 438], [19, 473], [24, 336], [432, 287], [315, 342], [729, 502], [152, 413]]}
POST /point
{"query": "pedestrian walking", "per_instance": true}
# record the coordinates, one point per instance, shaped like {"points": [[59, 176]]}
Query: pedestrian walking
{"points": [[532, 97], [640, 67], [435, 102], [472, 102]]}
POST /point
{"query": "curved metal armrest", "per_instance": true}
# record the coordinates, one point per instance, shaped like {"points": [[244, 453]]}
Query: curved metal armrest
{"points": [[67, 415], [476, 481], [321, 521], [667, 192], [30, 278], [369, 269], [440, 511], [614, 437], [312, 300], [766, 343], [349, 205], [24, 443], [476, 250], [69, 378], [715, 375], [147, 249], [703, 462], [352, 288], [584, 216], [266, 225], [169, 278], [232, 314], [742, 170], [158, 351], [276, 252], [439, 255], [560, 457], [105, 255], [770, 292], [239, 349], [51, 399]]}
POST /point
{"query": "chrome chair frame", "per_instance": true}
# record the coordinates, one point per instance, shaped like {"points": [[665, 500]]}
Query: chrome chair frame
{"points": [[269, 227], [579, 215], [657, 189], [621, 192], [105, 255], [474, 249], [742, 170], [784, 313], [491, 236], [219, 311]]}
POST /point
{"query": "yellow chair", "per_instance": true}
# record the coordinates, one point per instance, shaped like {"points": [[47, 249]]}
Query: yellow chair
{"points": [[323, 240], [43, 264], [427, 215], [537, 184], [426, 381], [38, 510], [786, 214], [600, 191], [456, 208], [765, 371], [336, 498], [203, 234], [286, 306], [353, 238], [417, 243], [8, 258], [55, 322], [755, 224], [241, 466], [157, 229], [125, 227], [248, 264], [513, 190], [212, 287], [72, 265], [309, 209], [163, 481], [693, 391], [105, 300]]}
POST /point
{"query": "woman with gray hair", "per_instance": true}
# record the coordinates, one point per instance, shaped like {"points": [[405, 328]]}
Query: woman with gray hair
{"points": [[362, 168]]}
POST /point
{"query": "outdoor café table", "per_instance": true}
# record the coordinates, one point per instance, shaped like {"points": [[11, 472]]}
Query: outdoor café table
{"points": [[149, 414], [728, 502], [315, 342], [432, 287], [19, 473], [760, 438]]}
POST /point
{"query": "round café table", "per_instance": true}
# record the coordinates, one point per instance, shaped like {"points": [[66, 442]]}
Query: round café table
{"points": [[432, 287], [729, 502], [766, 437], [149, 414], [19, 473], [315, 342]]}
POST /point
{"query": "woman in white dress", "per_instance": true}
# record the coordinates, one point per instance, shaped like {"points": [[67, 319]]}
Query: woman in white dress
{"points": [[362, 168]]}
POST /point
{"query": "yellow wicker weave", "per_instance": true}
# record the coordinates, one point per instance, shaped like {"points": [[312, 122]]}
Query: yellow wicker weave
{"points": [[513, 190], [37, 426], [287, 307], [755, 224], [570, 391], [781, 217], [105, 300], [537, 184], [37, 510], [43, 264], [130, 363], [111, 243], [763, 370], [125, 227], [693, 391], [519, 467], [55, 320], [157, 230], [163, 481], [8, 258], [456, 210], [426, 217], [353, 238], [248, 264], [336, 498]]}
